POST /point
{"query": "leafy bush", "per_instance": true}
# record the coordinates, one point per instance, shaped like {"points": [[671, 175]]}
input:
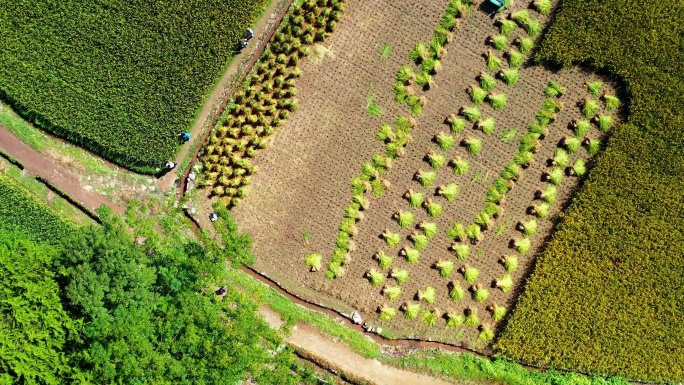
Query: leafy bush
{"points": [[374, 277], [411, 310], [553, 89], [487, 81], [510, 263], [401, 276], [456, 292], [499, 42], [449, 191], [542, 6], [510, 76], [415, 198], [403, 218], [412, 255], [460, 166], [391, 292], [314, 261], [457, 231], [430, 317], [425, 178], [493, 62], [480, 294], [473, 145], [487, 125], [384, 260], [445, 141], [505, 283], [515, 58], [35, 323], [498, 101], [387, 313], [427, 295], [594, 87], [445, 267], [436, 160], [429, 228], [24, 212], [470, 274], [392, 239], [477, 94], [433, 209]]}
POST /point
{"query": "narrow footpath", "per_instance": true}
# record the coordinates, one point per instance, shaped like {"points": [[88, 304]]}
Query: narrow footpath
{"points": [[311, 344], [54, 173], [212, 107]]}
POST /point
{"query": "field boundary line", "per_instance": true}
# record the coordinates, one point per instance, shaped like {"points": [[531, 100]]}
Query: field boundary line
{"points": [[225, 93], [52, 174]]}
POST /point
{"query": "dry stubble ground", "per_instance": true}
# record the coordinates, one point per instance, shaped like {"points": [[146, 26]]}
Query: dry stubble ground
{"points": [[303, 182]]}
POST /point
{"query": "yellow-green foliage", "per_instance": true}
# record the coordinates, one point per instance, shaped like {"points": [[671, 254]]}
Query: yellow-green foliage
{"points": [[22, 211], [614, 312], [122, 79]]}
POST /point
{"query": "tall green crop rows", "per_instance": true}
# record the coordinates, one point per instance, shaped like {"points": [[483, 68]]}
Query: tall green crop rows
{"points": [[606, 296], [120, 78], [21, 211]]}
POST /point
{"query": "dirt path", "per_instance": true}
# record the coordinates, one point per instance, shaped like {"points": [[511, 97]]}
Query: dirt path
{"points": [[212, 106], [54, 173], [311, 344]]}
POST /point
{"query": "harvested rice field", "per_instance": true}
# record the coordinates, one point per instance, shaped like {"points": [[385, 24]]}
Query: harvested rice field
{"points": [[450, 200]]}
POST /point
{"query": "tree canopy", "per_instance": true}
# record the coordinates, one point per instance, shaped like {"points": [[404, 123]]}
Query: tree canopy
{"points": [[33, 324], [102, 308]]}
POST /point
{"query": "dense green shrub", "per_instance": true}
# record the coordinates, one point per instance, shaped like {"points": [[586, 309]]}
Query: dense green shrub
{"points": [[34, 324], [21, 211], [121, 79]]}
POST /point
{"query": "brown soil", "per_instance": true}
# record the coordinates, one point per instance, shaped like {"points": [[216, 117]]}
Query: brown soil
{"points": [[303, 184], [312, 345], [54, 173], [231, 78]]}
